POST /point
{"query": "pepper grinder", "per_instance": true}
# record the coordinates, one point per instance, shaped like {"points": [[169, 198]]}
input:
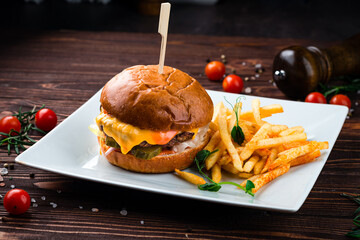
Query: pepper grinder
{"points": [[298, 70]]}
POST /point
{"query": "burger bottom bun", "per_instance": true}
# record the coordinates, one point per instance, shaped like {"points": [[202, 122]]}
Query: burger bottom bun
{"points": [[158, 164]]}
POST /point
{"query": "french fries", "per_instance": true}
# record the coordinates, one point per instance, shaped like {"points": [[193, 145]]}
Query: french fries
{"points": [[192, 178], [226, 138], [266, 152]]}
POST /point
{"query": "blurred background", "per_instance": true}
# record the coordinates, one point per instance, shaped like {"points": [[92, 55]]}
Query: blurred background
{"points": [[316, 19]]}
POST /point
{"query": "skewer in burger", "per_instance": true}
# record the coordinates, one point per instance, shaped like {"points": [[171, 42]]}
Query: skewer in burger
{"points": [[151, 122]]}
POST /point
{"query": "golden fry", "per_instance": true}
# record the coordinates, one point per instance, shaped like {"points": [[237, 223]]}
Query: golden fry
{"points": [[265, 112], [249, 164], [213, 158], [214, 141], [225, 159], [226, 138], [249, 147], [255, 105], [273, 142], [192, 178], [252, 178], [305, 158], [276, 129], [260, 165], [245, 175], [290, 154], [230, 168], [270, 159], [269, 176], [216, 173], [293, 144], [292, 130], [262, 152]]}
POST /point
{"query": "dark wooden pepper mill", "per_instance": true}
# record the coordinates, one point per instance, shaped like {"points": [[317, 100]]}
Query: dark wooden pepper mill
{"points": [[298, 70]]}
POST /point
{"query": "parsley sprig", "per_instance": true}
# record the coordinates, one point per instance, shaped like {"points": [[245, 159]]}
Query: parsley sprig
{"points": [[355, 233], [22, 138], [213, 186]]}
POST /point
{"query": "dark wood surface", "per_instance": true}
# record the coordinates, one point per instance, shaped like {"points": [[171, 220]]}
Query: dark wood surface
{"points": [[63, 69]]}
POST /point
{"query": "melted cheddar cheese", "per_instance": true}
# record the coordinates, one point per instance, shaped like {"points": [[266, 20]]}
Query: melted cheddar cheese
{"points": [[128, 136]]}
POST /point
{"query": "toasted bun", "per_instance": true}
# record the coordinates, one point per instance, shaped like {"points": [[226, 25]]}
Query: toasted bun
{"points": [[158, 164], [142, 97]]}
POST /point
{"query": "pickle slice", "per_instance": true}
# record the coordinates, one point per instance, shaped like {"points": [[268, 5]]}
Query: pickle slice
{"points": [[109, 141], [146, 152]]}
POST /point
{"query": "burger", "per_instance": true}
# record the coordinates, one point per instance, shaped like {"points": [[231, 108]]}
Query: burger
{"points": [[151, 122]]}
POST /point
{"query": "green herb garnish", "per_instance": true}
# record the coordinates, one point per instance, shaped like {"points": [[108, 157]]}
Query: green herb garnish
{"points": [[22, 138], [236, 133], [355, 233], [213, 186], [352, 86]]}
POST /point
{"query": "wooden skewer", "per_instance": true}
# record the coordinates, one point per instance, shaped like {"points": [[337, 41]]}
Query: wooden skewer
{"points": [[163, 30]]}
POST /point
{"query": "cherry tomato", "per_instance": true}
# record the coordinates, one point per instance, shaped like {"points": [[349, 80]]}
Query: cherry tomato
{"points": [[8, 123], [215, 70], [315, 97], [45, 119], [17, 201], [233, 83], [341, 99]]}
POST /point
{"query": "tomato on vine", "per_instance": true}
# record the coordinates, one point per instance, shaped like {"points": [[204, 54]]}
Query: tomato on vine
{"points": [[215, 70]]}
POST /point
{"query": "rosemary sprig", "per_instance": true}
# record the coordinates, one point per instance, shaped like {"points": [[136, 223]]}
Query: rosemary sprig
{"points": [[22, 138], [352, 86], [355, 233]]}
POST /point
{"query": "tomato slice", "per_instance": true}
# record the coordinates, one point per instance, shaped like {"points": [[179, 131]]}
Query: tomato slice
{"points": [[162, 137]]}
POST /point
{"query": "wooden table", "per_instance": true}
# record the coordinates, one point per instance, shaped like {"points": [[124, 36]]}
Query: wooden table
{"points": [[63, 69]]}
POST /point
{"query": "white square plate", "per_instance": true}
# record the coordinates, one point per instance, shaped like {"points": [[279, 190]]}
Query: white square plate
{"points": [[71, 149]]}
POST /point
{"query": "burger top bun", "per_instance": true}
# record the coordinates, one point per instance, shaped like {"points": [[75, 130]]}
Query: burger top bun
{"points": [[142, 97]]}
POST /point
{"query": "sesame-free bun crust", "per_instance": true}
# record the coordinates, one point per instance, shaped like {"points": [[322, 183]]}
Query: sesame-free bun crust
{"points": [[158, 164], [142, 97]]}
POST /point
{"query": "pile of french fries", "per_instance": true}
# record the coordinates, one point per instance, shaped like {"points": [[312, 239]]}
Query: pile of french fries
{"points": [[267, 152]]}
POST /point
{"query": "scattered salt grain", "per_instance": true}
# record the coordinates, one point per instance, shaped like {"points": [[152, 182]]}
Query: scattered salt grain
{"points": [[33, 200], [58, 191], [356, 103], [243, 63], [12, 186], [54, 205], [3, 171], [94, 209], [35, 205], [43, 198], [51, 203], [252, 78], [1, 196], [247, 90], [142, 222], [123, 212], [246, 79], [257, 75], [81, 207]]}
